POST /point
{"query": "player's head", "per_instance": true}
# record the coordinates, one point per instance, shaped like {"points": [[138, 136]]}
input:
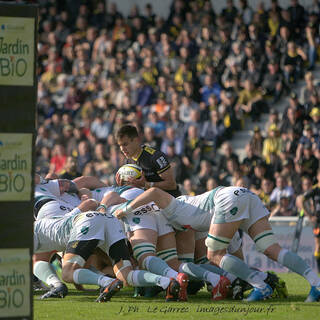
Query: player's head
{"points": [[128, 140], [66, 185]]}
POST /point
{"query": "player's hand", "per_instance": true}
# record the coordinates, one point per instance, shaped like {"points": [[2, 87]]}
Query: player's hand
{"points": [[139, 183], [119, 214], [118, 179]]}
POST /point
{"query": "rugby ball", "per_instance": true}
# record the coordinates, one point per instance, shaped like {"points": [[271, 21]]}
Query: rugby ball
{"points": [[129, 171]]}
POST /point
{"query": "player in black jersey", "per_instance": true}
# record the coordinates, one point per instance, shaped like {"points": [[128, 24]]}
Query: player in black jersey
{"points": [[313, 212], [154, 163]]}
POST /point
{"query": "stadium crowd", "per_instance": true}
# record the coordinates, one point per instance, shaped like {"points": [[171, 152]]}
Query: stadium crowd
{"points": [[188, 83]]}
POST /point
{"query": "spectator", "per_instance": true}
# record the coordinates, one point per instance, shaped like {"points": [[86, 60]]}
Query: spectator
{"points": [[213, 131], [227, 153], [267, 186], [250, 100], [309, 88], [283, 208], [84, 155], [230, 12], [273, 119], [58, 159], [193, 150], [70, 169], [150, 138], [282, 188], [43, 161], [200, 179], [172, 138], [272, 143], [293, 63], [101, 128], [273, 81], [188, 188]]}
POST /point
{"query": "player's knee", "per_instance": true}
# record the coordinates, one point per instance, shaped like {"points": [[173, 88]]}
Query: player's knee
{"points": [[155, 191], [266, 243], [272, 251], [122, 270], [216, 256], [143, 261], [67, 273]]}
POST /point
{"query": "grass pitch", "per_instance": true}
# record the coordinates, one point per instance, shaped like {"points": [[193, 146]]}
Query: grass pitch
{"points": [[81, 306]]}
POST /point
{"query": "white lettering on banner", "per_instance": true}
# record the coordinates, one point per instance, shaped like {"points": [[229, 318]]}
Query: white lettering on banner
{"points": [[16, 51], [284, 235], [15, 166], [14, 282]]}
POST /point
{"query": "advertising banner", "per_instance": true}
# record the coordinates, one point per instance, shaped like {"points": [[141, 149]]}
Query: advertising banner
{"points": [[16, 51], [14, 282], [15, 166]]}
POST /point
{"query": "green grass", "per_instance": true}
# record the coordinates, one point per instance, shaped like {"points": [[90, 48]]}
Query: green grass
{"points": [[81, 305]]}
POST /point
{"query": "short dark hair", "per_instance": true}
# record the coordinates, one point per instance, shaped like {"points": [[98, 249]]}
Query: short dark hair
{"points": [[127, 131]]}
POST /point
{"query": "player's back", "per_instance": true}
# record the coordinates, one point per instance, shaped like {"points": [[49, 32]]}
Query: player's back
{"points": [[52, 233], [193, 212]]}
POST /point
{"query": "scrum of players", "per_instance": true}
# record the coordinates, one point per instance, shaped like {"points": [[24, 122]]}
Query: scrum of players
{"points": [[115, 236]]}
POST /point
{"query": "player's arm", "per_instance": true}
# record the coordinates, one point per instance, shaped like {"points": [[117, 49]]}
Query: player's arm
{"points": [[161, 198], [111, 199], [88, 182], [168, 183]]}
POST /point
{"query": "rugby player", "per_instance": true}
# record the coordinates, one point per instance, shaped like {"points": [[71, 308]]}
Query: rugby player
{"points": [[80, 234], [225, 210], [149, 232]]}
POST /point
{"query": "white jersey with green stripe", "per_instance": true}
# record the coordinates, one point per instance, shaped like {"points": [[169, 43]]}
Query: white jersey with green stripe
{"points": [[192, 212], [50, 191], [52, 233]]}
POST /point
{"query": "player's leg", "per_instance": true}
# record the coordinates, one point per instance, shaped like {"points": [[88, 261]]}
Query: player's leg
{"points": [[218, 240], [202, 260], [144, 242], [161, 198], [74, 261], [261, 233], [43, 270], [186, 247], [123, 270]]}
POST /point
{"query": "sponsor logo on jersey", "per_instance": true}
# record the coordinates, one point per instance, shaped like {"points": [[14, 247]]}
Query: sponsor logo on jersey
{"points": [[85, 230], [162, 162], [234, 211], [146, 209]]}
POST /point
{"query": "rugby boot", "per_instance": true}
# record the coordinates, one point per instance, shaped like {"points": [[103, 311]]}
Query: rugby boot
{"points": [[221, 290], [56, 292], [259, 294], [238, 287], [194, 286], [110, 290], [314, 294], [138, 292], [150, 292], [277, 284], [38, 284], [183, 278], [173, 290]]}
